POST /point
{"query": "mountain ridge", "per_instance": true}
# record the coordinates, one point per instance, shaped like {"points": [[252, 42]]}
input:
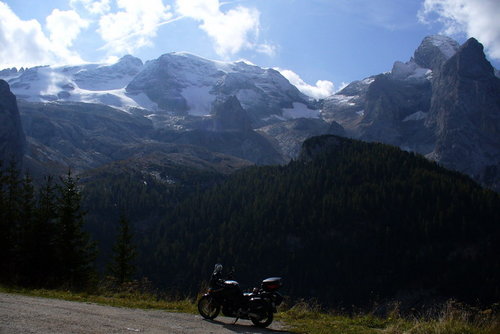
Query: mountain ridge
{"points": [[193, 100]]}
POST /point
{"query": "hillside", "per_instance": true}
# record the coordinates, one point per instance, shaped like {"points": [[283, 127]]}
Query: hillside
{"points": [[347, 223]]}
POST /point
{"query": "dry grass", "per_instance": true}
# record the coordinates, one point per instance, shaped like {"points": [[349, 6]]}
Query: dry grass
{"points": [[302, 317], [453, 318]]}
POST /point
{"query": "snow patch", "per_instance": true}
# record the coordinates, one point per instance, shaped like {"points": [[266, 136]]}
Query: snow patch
{"points": [[445, 44], [419, 115], [368, 81], [274, 118], [199, 100], [300, 110], [142, 101], [342, 99], [409, 70], [420, 73], [75, 84]]}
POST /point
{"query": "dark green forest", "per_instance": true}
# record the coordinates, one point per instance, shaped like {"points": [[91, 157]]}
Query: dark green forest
{"points": [[347, 223], [42, 240], [143, 193]]}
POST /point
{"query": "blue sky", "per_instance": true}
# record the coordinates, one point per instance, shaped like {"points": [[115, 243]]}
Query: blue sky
{"points": [[322, 43]]}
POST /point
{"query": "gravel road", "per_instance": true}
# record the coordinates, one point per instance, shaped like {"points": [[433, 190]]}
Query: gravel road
{"points": [[21, 314]]}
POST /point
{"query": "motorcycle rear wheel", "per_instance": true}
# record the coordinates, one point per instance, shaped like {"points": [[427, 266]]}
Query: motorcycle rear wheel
{"points": [[264, 321], [208, 308]]}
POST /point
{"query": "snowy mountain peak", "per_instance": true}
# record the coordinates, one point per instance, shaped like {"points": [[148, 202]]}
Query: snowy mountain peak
{"points": [[128, 64], [176, 84], [434, 51], [183, 83], [429, 56], [88, 83], [445, 44]]}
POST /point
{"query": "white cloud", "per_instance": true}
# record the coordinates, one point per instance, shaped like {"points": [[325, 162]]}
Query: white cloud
{"points": [[93, 7], [134, 26], [23, 43], [64, 27], [267, 49], [476, 18], [232, 31], [322, 89]]}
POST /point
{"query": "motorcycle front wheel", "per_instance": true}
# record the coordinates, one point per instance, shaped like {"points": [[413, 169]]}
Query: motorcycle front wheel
{"points": [[208, 308], [264, 320]]}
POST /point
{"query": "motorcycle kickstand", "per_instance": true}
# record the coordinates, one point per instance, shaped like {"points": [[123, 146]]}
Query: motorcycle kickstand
{"points": [[234, 323]]}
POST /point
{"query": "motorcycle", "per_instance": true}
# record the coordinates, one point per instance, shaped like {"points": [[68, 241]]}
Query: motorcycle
{"points": [[258, 306]]}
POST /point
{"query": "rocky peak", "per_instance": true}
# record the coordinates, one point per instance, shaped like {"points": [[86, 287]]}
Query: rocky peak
{"points": [[12, 140], [434, 51], [470, 62], [230, 116], [11, 72], [128, 64], [464, 114]]}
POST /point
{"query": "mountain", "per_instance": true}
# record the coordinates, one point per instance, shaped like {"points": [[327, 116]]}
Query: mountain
{"points": [[347, 223], [12, 139], [177, 84], [443, 103], [188, 85], [88, 115]]}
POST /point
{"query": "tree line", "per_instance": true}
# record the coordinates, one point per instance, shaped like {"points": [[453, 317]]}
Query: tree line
{"points": [[43, 242], [358, 223]]}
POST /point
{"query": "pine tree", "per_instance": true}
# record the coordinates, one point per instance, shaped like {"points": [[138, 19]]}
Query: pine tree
{"points": [[44, 265], [10, 223], [76, 253], [26, 235], [4, 226], [122, 267]]}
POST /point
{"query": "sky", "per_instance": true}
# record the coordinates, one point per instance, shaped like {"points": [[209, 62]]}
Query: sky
{"points": [[319, 45]]}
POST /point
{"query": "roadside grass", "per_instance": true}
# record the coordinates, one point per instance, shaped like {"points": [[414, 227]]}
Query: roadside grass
{"points": [[303, 317], [130, 299], [453, 318]]}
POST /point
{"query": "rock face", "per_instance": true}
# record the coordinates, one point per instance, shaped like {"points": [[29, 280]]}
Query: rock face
{"points": [[465, 115], [290, 135], [229, 115], [394, 111], [12, 140], [443, 103], [434, 51]]}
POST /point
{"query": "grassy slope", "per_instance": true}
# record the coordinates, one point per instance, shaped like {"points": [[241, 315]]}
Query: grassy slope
{"points": [[302, 318]]}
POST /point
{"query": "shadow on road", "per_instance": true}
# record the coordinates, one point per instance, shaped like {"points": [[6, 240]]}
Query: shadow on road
{"points": [[245, 328]]}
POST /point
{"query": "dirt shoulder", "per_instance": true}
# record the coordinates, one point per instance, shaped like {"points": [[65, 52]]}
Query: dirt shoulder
{"points": [[22, 314]]}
